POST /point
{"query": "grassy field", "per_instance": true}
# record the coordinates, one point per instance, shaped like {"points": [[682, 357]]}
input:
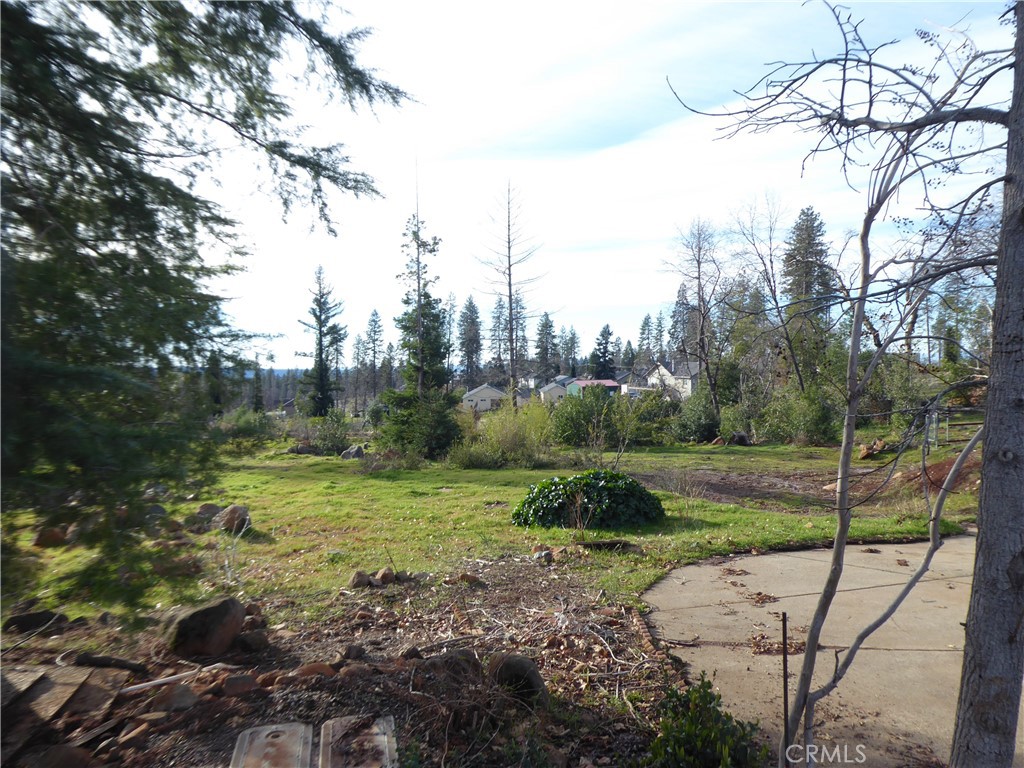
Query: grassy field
{"points": [[316, 519]]}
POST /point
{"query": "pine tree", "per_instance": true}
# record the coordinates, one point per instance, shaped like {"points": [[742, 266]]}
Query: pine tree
{"points": [[569, 347], [328, 337], [420, 418], [808, 281], [470, 343], [547, 348], [602, 364], [499, 334], [374, 340], [111, 113]]}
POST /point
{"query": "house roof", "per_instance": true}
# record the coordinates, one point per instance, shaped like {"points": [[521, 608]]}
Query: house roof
{"points": [[484, 388], [594, 382], [552, 385]]}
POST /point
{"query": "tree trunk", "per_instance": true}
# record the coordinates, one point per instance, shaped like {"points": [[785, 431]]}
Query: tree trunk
{"points": [[990, 685]]}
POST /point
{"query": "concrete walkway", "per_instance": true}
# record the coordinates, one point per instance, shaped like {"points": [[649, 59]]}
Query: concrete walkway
{"points": [[897, 703]]}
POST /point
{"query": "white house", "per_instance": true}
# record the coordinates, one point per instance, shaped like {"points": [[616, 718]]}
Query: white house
{"points": [[483, 398], [553, 393], [678, 383]]}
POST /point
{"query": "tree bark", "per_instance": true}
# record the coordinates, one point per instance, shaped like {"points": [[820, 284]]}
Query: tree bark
{"points": [[993, 668]]}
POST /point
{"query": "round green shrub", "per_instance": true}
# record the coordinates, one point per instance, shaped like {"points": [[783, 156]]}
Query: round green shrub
{"points": [[597, 498]]}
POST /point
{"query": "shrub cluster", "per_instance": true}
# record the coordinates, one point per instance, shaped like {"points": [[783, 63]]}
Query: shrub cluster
{"points": [[697, 733], [598, 498], [507, 437]]}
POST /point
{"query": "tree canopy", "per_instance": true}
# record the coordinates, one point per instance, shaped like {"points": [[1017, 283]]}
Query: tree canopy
{"points": [[113, 113]]}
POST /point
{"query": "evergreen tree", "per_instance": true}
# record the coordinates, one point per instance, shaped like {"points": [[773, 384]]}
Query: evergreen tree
{"points": [[808, 278], [499, 334], [258, 405], [645, 357], [328, 337], [629, 356], [683, 331], [471, 344], [213, 378], [111, 113], [602, 364], [520, 338], [420, 419], [374, 340], [658, 338], [808, 281], [547, 348], [569, 347]]}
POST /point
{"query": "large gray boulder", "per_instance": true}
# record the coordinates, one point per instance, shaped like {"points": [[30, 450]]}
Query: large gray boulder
{"points": [[208, 630]]}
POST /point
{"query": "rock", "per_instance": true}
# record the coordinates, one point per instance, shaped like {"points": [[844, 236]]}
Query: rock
{"points": [[358, 580], [519, 675], [386, 576], [352, 452], [51, 536], [412, 652], [233, 519], [865, 451], [63, 756], [303, 449], [173, 698], [740, 438], [352, 651], [718, 441], [30, 622], [544, 557], [236, 685], [253, 641], [252, 623], [208, 630], [460, 664], [316, 668], [208, 511]]}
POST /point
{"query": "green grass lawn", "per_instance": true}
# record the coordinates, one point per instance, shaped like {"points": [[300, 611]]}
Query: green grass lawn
{"points": [[317, 519]]}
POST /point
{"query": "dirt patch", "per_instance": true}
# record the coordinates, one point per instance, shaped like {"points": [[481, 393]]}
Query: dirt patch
{"points": [[602, 671]]}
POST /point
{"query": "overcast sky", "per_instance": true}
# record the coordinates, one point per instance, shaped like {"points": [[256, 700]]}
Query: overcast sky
{"points": [[569, 103]]}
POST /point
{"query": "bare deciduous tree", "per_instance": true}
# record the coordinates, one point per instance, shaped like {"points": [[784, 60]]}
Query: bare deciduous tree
{"points": [[913, 126], [512, 253]]}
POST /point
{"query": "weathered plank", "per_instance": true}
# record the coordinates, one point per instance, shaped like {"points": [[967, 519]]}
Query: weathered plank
{"points": [[358, 742], [15, 680], [274, 746]]}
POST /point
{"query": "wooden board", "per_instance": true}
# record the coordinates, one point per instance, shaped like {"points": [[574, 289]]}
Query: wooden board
{"points": [[358, 742], [97, 693], [34, 708], [15, 680], [274, 746]]}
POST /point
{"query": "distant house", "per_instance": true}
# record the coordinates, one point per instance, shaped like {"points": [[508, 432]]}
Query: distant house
{"points": [[678, 381], [576, 387], [483, 398], [554, 392]]}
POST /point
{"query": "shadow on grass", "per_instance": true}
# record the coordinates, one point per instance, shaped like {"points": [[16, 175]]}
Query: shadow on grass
{"points": [[124, 576]]}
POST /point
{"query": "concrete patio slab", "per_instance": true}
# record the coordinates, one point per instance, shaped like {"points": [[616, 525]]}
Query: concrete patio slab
{"points": [[899, 699]]}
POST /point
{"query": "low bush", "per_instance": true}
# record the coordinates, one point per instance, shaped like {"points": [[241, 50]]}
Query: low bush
{"points": [[244, 430], [598, 498], [508, 437], [696, 732]]}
